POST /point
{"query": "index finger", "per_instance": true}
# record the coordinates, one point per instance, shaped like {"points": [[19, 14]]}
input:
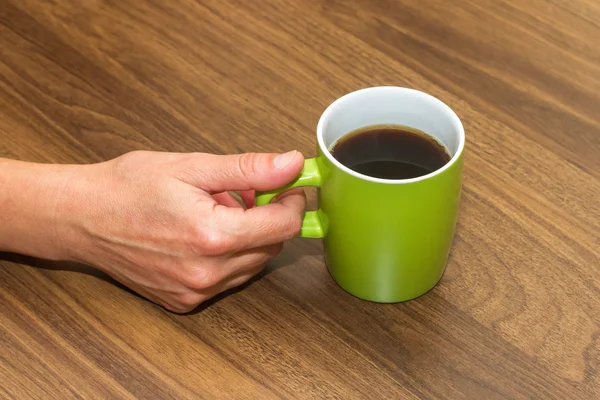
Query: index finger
{"points": [[268, 224]]}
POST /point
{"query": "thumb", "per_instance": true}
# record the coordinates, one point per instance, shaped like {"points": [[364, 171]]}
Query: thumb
{"points": [[249, 171]]}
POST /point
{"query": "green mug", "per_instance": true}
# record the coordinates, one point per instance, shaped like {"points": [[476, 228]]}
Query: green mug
{"points": [[385, 240]]}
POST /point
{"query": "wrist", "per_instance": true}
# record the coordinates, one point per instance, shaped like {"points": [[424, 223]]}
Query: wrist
{"points": [[37, 208]]}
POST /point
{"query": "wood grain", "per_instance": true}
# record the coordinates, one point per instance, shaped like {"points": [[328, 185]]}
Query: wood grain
{"points": [[516, 314]]}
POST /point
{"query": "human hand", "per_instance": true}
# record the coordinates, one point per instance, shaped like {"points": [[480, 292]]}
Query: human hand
{"points": [[164, 224]]}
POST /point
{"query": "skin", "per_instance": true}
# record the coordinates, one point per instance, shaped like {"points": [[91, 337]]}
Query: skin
{"points": [[162, 224]]}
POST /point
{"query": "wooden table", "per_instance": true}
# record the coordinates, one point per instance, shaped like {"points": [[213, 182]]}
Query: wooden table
{"points": [[515, 316]]}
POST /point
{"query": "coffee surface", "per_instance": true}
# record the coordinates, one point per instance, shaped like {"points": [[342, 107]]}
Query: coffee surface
{"points": [[390, 152]]}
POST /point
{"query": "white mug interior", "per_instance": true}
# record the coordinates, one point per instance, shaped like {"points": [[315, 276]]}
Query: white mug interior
{"points": [[390, 105]]}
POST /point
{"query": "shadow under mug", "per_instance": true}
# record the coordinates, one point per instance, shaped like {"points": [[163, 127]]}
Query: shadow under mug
{"points": [[385, 240]]}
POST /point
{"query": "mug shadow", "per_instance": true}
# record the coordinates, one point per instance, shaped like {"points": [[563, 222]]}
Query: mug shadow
{"points": [[291, 253]]}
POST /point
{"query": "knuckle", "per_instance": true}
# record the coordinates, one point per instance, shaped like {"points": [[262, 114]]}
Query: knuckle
{"points": [[217, 244], [247, 163], [190, 300], [202, 278], [212, 241]]}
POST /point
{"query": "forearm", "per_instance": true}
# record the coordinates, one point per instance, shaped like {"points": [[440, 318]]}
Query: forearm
{"points": [[30, 199]]}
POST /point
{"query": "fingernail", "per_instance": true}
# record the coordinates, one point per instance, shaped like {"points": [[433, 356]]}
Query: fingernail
{"points": [[283, 160]]}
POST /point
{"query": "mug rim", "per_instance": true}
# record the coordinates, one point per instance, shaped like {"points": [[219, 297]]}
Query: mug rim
{"points": [[325, 151]]}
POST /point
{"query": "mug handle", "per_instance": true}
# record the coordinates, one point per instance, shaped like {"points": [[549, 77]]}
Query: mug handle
{"points": [[310, 175]]}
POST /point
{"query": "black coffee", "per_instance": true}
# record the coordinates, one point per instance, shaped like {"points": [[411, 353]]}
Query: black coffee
{"points": [[390, 152]]}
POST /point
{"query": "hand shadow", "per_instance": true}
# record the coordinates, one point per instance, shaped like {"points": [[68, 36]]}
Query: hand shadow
{"points": [[288, 256], [69, 266]]}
